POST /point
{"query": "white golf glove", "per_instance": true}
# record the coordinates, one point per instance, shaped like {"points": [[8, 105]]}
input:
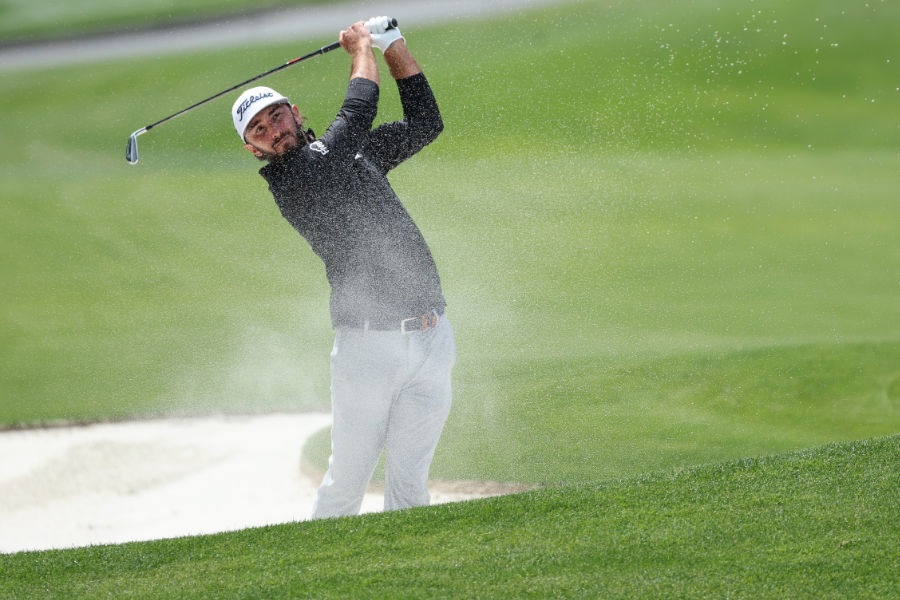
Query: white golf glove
{"points": [[381, 35]]}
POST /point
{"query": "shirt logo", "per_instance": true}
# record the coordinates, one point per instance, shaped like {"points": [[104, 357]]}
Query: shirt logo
{"points": [[246, 103], [319, 147]]}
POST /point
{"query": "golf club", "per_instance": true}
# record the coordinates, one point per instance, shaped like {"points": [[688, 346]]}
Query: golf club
{"points": [[131, 150]]}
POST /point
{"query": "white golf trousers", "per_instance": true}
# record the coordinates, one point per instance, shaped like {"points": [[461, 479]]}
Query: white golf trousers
{"points": [[389, 391]]}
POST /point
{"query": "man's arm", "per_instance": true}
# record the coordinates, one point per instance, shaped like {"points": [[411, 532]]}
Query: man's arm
{"points": [[394, 142], [401, 61], [349, 130], [357, 41]]}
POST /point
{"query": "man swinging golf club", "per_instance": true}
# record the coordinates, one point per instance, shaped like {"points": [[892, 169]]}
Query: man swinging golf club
{"points": [[394, 347]]}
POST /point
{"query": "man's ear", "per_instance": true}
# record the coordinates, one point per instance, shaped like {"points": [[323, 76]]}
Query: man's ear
{"points": [[250, 148]]}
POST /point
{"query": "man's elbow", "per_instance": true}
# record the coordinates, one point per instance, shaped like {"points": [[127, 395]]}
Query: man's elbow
{"points": [[437, 127], [425, 129]]}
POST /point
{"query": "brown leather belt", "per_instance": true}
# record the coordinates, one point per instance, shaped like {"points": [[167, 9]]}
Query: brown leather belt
{"points": [[419, 323], [415, 324]]}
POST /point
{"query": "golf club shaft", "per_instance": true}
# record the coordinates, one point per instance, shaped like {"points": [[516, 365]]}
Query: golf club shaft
{"points": [[131, 151], [322, 50]]}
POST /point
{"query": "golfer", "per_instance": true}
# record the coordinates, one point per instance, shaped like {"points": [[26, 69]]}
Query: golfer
{"points": [[394, 347]]}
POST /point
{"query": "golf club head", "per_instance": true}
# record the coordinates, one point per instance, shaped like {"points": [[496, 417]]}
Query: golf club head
{"points": [[131, 151]]}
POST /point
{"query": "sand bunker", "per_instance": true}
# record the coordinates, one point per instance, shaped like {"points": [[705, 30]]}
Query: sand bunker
{"points": [[118, 482]]}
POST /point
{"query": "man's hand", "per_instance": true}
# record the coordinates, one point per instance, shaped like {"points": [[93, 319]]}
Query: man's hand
{"points": [[383, 37], [393, 46], [357, 41]]}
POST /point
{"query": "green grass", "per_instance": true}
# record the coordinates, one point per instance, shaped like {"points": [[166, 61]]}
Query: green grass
{"points": [[812, 524], [641, 415], [21, 20], [667, 235]]}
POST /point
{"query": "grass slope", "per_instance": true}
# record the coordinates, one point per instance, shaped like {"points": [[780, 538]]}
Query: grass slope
{"points": [[817, 524]]}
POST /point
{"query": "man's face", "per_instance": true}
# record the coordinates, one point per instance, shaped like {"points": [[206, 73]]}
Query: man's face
{"points": [[273, 131]]}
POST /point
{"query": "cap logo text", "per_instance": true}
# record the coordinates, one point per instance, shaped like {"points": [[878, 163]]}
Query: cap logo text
{"points": [[249, 101]]}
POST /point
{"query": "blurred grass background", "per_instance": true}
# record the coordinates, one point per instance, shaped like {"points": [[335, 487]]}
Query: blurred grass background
{"points": [[667, 234], [24, 22]]}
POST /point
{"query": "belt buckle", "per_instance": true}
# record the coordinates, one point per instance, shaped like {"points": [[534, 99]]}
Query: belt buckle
{"points": [[419, 323]]}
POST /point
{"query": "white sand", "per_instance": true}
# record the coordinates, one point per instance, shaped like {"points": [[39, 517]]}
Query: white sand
{"points": [[117, 482]]}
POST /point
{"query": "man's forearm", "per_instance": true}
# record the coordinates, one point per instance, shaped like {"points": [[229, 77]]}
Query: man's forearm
{"points": [[364, 65], [400, 61], [357, 41]]}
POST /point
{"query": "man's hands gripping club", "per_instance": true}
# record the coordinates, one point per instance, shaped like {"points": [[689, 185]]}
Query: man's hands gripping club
{"points": [[384, 32], [380, 32]]}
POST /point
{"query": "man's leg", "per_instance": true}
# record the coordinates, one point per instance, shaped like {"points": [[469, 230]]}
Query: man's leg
{"points": [[363, 375], [418, 416]]}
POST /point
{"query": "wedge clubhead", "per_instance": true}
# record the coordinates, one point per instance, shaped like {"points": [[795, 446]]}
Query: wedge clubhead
{"points": [[131, 151]]}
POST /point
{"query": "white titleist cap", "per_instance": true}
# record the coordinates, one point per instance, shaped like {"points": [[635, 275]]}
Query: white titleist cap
{"points": [[251, 102]]}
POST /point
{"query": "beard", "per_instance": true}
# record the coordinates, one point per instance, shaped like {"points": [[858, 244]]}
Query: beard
{"points": [[301, 138]]}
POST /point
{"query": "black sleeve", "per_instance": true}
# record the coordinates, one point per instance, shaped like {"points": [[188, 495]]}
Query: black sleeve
{"points": [[392, 143], [349, 130]]}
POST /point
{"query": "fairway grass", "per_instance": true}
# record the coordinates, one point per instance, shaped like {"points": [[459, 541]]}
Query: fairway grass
{"points": [[667, 236], [29, 21], [819, 523]]}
